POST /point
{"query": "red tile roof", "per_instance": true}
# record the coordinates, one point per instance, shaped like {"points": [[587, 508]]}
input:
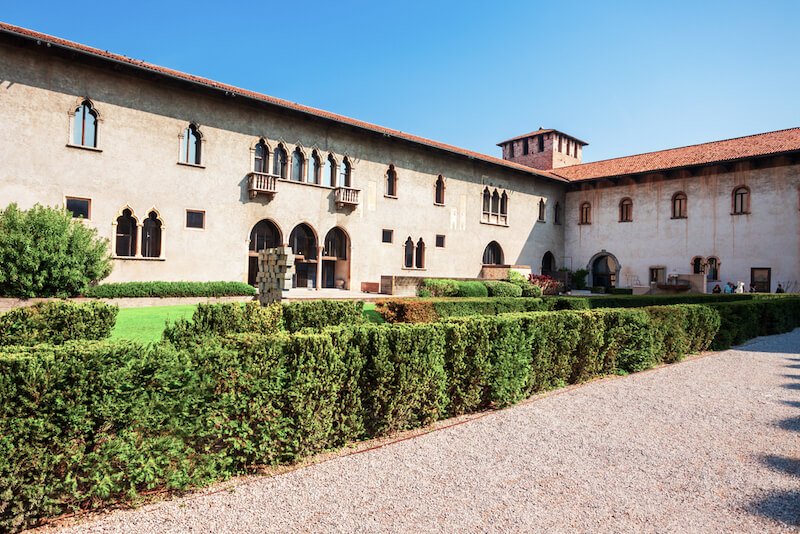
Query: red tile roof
{"points": [[540, 131], [706, 153], [205, 82]]}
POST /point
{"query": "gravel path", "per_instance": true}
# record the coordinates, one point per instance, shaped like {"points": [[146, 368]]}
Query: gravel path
{"points": [[707, 445]]}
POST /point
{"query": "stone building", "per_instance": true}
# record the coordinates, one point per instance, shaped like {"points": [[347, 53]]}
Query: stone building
{"points": [[188, 178]]}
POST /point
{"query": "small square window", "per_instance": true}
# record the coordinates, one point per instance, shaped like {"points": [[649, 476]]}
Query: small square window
{"points": [[79, 207], [195, 219], [388, 236], [440, 241]]}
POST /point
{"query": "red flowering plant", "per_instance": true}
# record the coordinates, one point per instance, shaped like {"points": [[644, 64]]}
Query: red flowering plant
{"points": [[548, 284]]}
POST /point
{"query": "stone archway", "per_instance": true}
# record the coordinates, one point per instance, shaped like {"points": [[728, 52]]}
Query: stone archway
{"points": [[303, 242], [548, 263], [336, 259], [265, 234], [604, 269]]}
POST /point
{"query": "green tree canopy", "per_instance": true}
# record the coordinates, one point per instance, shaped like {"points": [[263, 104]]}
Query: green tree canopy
{"points": [[44, 252]]}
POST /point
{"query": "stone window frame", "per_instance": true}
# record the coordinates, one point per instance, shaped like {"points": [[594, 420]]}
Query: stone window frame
{"points": [[744, 208], [71, 115], [680, 205], [186, 220], [626, 215], [440, 182], [199, 146], [585, 213]]}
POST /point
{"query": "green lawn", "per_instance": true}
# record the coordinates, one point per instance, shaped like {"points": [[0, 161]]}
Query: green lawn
{"points": [[147, 324]]}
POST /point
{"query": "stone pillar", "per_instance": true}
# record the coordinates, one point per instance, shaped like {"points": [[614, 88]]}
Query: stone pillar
{"points": [[319, 268]]}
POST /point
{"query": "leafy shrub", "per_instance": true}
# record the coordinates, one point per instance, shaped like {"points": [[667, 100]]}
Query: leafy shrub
{"points": [[44, 252], [499, 288], [88, 423], [430, 310], [170, 289], [743, 320], [424, 293], [440, 288], [321, 313], [221, 319], [56, 322], [472, 289], [251, 317], [578, 278]]}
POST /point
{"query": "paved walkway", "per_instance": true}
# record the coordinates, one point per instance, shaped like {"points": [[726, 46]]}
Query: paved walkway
{"points": [[707, 445]]}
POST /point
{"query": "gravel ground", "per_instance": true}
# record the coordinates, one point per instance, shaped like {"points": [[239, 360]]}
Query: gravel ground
{"points": [[707, 445]]}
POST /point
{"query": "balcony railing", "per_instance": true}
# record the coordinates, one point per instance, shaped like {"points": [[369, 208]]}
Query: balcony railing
{"points": [[347, 197], [259, 183]]}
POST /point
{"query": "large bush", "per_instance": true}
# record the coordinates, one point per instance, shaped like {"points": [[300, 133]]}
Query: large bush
{"points": [[472, 289], [44, 252], [251, 317], [56, 322], [500, 288], [430, 310], [89, 423], [170, 289], [436, 287]]}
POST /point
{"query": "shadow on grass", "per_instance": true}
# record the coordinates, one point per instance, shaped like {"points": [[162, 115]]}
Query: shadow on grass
{"points": [[783, 506]]}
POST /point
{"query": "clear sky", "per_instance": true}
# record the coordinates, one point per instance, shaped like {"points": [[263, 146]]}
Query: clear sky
{"points": [[627, 77]]}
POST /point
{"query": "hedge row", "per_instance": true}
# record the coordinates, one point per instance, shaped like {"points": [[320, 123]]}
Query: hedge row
{"points": [[211, 320], [427, 310], [89, 423], [745, 320], [442, 287], [170, 289], [55, 322], [430, 310]]}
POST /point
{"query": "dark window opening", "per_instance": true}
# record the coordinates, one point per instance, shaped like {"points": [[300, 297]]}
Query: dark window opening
{"points": [[541, 143], [391, 182], [303, 242], [335, 244], [261, 158], [191, 145], [151, 236], [741, 201], [439, 241], [525, 147], [195, 219], [79, 207], [493, 254], [626, 210], [264, 235], [439, 196], [409, 253], [586, 213], [387, 236], [126, 234], [679, 208]]}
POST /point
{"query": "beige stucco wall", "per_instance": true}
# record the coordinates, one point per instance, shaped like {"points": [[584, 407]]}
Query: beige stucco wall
{"points": [[136, 166], [768, 237]]}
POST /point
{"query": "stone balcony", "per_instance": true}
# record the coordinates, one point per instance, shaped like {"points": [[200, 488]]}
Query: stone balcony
{"points": [[347, 197], [259, 183]]}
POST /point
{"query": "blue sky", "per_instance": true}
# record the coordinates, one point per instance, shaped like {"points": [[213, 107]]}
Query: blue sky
{"points": [[627, 77]]}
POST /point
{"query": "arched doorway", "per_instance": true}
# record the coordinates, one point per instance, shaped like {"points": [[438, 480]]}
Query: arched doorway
{"points": [[336, 259], [303, 242], [493, 254], [548, 263], [265, 234], [604, 270]]}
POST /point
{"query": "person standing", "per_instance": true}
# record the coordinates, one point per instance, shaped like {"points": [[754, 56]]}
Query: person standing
{"points": [[780, 289]]}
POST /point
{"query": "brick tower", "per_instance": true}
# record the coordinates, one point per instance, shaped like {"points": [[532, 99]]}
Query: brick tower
{"points": [[543, 149]]}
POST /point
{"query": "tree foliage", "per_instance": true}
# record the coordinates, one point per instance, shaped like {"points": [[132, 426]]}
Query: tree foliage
{"points": [[44, 252]]}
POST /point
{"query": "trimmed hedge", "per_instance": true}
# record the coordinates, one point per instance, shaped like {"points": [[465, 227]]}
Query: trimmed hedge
{"points": [[439, 288], [232, 318], [169, 289], [745, 320], [89, 423], [500, 288], [472, 289], [55, 322], [430, 310]]}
